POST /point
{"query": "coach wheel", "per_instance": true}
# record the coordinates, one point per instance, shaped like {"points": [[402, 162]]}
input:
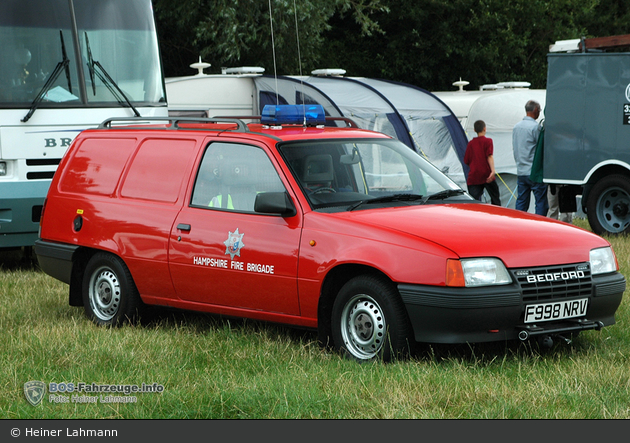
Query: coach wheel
{"points": [[109, 295]]}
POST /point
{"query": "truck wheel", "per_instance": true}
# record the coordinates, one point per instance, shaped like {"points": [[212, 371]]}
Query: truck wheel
{"points": [[110, 296], [369, 320], [608, 206]]}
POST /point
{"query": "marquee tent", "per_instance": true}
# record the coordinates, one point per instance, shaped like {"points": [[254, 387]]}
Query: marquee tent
{"points": [[415, 116]]}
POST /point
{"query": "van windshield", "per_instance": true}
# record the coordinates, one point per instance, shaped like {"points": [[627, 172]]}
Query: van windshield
{"points": [[348, 174]]}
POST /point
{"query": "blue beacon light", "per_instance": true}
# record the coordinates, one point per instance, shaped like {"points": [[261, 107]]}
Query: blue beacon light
{"points": [[309, 115]]}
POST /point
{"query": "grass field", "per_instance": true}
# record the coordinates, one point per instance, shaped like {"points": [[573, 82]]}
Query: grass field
{"points": [[218, 368]]}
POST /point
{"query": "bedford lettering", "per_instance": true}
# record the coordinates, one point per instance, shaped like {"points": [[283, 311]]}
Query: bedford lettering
{"points": [[572, 275]]}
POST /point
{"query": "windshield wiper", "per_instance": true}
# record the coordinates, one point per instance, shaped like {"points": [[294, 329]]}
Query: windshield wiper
{"points": [[107, 80], [63, 64], [385, 199], [443, 194]]}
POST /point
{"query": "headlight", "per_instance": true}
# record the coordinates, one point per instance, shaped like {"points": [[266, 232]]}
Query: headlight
{"points": [[473, 272], [603, 261]]}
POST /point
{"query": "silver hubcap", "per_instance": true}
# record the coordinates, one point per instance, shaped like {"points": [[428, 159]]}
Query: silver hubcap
{"points": [[104, 293], [363, 327]]}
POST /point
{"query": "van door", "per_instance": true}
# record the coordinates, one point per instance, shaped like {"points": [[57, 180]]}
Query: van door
{"points": [[221, 251]]}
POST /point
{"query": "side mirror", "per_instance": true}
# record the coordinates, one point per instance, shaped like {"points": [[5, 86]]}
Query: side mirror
{"points": [[274, 203]]}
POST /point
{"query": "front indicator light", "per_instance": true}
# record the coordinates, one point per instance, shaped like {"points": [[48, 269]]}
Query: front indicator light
{"points": [[454, 273]]}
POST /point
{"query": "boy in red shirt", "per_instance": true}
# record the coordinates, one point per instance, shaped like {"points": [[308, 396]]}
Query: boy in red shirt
{"points": [[479, 158]]}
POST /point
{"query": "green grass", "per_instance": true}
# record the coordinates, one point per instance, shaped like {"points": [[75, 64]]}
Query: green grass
{"points": [[219, 368]]}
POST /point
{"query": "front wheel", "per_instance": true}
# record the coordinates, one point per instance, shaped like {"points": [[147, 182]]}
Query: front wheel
{"points": [[110, 296], [608, 206], [369, 320]]}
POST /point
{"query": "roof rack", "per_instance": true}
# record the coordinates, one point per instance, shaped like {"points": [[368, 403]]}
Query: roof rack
{"points": [[351, 123], [174, 122]]}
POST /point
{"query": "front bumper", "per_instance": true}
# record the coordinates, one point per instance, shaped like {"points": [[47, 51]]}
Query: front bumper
{"points": [[20, 210], [496, 313]]}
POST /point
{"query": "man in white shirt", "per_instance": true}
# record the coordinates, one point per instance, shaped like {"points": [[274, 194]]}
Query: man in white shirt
{"points": [[524, 139]]}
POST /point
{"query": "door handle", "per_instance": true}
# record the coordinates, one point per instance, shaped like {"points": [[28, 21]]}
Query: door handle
{"points": [[183, 227]]}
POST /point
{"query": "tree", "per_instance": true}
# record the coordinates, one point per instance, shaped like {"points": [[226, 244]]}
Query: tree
{"points": [[428, 43], [433, 43], [252, 32], [608, 17]]}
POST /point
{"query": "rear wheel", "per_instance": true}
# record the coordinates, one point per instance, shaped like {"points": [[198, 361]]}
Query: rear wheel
{"points": [[608, 206], [110, 296], [369, 320]]}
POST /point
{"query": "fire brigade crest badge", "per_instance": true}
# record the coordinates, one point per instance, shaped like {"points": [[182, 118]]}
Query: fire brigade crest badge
{"points": [[234, 244]]}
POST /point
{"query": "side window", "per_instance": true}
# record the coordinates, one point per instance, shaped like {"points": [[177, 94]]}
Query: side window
{"points": [[231, 175], [97, 165], [158, 170]]}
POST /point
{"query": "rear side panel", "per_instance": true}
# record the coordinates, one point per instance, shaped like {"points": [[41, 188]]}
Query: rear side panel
{"points": [[121, 194]]}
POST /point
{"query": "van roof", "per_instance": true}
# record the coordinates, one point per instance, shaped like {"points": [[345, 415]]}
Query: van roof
{"points": [[237, 125]]}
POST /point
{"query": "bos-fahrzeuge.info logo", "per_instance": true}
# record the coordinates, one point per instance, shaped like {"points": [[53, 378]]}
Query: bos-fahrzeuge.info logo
{"points": [[81, 392]]}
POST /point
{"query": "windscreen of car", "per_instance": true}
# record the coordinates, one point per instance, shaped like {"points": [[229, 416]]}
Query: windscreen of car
{"points": [[365, 173]]}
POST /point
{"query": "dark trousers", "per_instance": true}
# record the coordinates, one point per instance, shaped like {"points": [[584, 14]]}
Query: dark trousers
{"points": [[493, 191], [525, 188]]}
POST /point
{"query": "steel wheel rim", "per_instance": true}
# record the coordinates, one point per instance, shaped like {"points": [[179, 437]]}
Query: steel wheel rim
{"points": [[104, 293], [363, 327], [613, 210]]}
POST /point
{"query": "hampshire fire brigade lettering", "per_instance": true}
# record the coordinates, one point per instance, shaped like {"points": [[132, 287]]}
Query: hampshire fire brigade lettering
{"points": [[233, 264], [571, 275], [233, 246]]}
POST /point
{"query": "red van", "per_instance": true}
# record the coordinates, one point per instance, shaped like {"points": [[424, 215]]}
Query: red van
{"points": [[343, 230]]}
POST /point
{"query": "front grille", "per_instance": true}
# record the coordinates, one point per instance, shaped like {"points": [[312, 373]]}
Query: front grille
{"points": [[41, 174], [554, 282]]}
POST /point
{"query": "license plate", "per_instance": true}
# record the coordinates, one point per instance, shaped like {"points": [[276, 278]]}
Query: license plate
{"points": [[556, 310]]}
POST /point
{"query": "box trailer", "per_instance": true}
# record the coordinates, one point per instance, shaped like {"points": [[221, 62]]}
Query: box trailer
{"points": [[587, 129]]}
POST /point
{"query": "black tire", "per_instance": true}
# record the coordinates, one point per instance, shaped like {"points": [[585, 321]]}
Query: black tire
{"points": [[369, 321], [608, 205], [110, 297]]}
